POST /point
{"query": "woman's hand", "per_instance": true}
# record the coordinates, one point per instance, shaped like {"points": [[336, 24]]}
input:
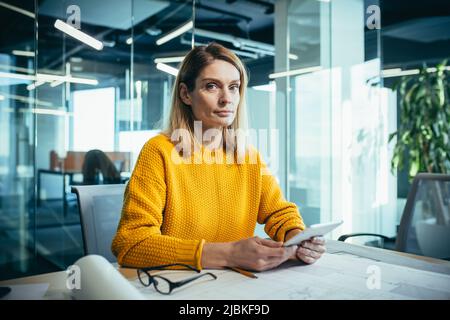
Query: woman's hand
{"points": [[309, 251], [259, 254]]}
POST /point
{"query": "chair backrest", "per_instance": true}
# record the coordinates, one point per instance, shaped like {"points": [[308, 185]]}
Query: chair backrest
{"points": [[100, 210], [425, 224]]}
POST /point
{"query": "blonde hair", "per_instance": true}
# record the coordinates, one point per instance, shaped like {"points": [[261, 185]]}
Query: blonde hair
{"points": [[181, 116]]}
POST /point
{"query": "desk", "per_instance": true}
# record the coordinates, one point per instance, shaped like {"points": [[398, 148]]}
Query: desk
{"points": [[298, 281]]}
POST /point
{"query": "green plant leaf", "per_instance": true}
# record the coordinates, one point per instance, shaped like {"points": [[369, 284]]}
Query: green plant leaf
{"points": [[423, 135], [392, 136], [414, 168]]}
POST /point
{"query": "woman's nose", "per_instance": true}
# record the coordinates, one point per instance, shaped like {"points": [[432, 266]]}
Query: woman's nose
{"points": [[225, 98]]}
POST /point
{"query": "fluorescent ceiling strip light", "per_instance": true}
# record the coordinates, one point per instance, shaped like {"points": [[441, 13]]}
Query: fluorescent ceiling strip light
{"points": [[257, 50], [166, 68], [433, 69], [17, 76], [266, 87], [399, 73], [56, 83], [294, 72], [175, 33], [79, 35], [48, 78], [168, 59], [17, 9], [23, 53], [391, 71], [51, 112], [245, 54], [236, 41], [34, 85], [28, 100], [244, 44], [52, 77], [238, 52], [7, 67]]}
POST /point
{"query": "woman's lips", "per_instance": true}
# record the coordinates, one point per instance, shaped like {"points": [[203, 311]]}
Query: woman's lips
{"points": [[224, 113]]}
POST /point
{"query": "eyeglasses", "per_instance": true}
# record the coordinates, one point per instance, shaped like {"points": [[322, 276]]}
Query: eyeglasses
{"points": [[164, 285]]}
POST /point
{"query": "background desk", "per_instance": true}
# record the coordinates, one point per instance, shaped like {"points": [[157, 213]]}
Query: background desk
{"points": [[240, 287]]}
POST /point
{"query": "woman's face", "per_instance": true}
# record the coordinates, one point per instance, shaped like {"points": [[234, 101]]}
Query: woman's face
{"points": [[215, 98]]}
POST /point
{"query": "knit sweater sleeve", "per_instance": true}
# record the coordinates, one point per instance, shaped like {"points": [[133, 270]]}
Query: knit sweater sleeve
{"points": [[138, 241], [278, 214]]}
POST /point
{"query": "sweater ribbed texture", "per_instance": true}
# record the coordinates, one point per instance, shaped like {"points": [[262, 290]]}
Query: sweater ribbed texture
{"points": [[171, 208]]}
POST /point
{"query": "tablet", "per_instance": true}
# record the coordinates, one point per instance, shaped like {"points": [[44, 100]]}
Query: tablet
{"points": [[313, 231]]}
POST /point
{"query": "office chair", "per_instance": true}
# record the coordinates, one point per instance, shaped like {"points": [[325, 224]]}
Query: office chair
{"points": [[100, 210], [425, 224]]}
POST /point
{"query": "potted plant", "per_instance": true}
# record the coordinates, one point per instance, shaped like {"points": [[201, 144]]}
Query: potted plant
{"points": [[423, 136]]}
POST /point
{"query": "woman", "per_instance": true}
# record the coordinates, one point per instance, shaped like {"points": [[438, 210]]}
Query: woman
{"points": [[181, 207], [95, 162]]}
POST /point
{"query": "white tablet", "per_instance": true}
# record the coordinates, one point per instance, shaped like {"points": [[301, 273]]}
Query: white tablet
{"points": [[314, 230]]}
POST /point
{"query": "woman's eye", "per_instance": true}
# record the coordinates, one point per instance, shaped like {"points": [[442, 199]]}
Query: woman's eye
{"points": [[211, 86], [235, 87]]}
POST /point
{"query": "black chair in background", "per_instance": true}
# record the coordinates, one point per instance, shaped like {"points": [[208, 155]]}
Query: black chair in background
{"points": [[425, 224]]}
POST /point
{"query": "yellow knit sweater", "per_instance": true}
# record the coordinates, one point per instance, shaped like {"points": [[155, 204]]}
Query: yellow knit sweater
{"points": [[170, 209]]}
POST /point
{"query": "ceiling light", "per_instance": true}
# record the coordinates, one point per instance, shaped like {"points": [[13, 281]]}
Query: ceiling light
{"points": [[294, 72], [23, 53], [238, 52], [34, 85], [2, 97], [175, 33], [51, 78], [25, 99], [397, 72], [166, 68], [17, 9], [242, 43], [17, 76], [76, 59], [79, 35], [235, 40], [266, 87], [109, 43], [48, 78], [56, 83], [391, 71], [8, 67], [433, 69], [153, 31], [129, 41], [51, 112], [169, 59]]}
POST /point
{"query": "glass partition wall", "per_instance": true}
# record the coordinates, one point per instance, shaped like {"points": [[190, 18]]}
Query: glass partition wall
{"points": [[338, 116], [17, 138], [87, 81], [79, 90]]}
